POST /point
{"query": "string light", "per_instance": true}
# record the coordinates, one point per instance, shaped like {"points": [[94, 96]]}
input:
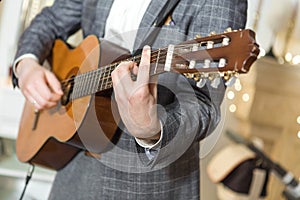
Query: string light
{"points": [[238, 85], [288, 57], [298, 119], [232, 108], [230, 95], [246, 97], [296, 60]]}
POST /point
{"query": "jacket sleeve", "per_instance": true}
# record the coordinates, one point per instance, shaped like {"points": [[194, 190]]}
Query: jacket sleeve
{"points": [[58, 21]]}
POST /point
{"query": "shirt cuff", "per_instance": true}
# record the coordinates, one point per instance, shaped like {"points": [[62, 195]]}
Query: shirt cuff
{"points": [[149, 144], [28, 55]]}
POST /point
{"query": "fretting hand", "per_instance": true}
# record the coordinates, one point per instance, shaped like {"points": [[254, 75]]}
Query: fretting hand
{"points": [[136, 100]]}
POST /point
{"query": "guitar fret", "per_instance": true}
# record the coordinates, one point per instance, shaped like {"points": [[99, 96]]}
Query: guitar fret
{"points": [[87, 85], [79, 86], [75, 88], [84, 79], [108, 83], [92, 82], [82, 85], [102, 79], [98, 77], [108, 76], [156, 63], [106, 73], [95, 82]]}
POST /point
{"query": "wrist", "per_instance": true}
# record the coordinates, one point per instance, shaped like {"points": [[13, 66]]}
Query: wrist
{"points": [[23, 65], [152, 134], [153, 138], [23, 58]]}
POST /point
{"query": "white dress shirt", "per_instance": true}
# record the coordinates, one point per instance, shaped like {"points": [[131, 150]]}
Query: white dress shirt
{"points": [[123, 21]]}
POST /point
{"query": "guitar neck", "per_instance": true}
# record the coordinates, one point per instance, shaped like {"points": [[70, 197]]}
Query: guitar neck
{"points": [[100, 80], [212, 57]]}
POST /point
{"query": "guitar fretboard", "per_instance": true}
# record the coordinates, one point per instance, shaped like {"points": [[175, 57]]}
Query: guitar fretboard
{"points": [[100, 80], [210, 57]]}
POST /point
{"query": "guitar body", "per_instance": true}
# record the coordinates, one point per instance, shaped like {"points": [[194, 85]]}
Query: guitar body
{"points": [[87, 123]]}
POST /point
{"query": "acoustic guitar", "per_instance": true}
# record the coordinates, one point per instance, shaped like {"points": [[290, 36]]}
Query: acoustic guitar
{"points": [[86, 118]]}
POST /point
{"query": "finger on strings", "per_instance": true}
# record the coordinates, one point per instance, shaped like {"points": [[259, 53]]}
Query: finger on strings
{"points": [[144, 67], [135, 69], [121, 76]]}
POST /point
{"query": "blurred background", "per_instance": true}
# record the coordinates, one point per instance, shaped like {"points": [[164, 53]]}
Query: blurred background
{"points": [[261, 107]]}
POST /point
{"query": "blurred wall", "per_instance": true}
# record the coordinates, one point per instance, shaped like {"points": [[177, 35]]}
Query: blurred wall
{"points": [[10, 23]]}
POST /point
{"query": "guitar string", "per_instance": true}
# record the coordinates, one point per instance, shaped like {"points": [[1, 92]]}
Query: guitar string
{"points": [[153, 53], [153, 56], [111, 67], [106, 78], [103, 72]]}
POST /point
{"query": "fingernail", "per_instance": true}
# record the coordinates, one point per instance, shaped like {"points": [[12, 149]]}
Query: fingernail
{"points": [[146, 47]]}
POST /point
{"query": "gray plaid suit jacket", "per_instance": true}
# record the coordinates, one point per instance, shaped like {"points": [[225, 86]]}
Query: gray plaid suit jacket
{"points": [[188, 113]]}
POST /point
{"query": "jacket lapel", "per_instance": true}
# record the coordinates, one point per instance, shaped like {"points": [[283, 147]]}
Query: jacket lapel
{"points": [[102, 12], [148, 20]]}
